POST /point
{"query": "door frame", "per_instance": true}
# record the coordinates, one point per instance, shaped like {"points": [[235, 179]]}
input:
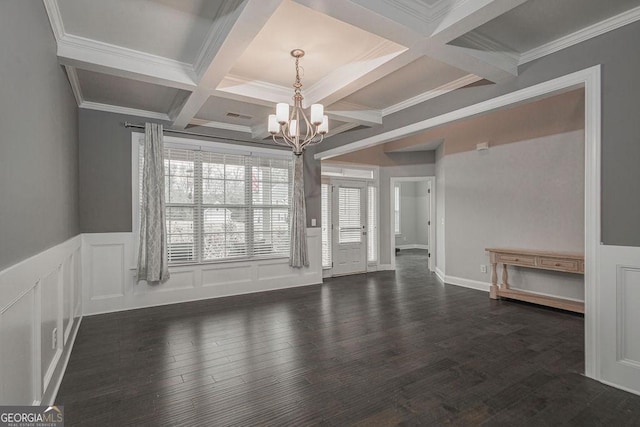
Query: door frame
{"points": [[591, 80], [431, 182]]}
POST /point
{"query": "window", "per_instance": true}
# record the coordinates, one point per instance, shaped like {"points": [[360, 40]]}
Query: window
{"points": [[349, 215], [225, 206], [396, 209], [326, 224], [372, 222]]}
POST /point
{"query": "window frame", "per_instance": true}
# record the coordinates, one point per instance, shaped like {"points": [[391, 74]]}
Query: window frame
{"points": [[397, 202], [219, 148]]}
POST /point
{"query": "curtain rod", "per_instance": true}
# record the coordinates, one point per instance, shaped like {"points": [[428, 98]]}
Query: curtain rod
{"points": [[204, 135]]}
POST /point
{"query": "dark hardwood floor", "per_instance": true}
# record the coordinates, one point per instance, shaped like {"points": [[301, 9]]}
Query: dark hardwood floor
{"points": [[384, 348]]}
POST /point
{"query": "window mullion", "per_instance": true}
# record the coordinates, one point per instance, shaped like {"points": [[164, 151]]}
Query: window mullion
{"points": [[248, 199], [198, 210]]}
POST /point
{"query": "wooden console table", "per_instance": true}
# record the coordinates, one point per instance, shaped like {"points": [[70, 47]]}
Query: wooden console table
{"points": [[545, 260]]}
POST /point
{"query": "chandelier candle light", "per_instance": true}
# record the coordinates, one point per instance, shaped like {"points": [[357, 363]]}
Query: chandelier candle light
{"points": [[285, 126]]}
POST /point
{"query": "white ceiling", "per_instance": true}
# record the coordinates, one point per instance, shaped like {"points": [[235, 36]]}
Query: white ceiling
{"points": [[193, 61]]}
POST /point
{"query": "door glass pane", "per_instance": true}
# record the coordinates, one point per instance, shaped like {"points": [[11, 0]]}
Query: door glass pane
{"points": [[349, 215]]}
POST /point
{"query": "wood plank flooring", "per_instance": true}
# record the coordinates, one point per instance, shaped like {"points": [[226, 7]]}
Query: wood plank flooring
{"points": [[385, 348]]}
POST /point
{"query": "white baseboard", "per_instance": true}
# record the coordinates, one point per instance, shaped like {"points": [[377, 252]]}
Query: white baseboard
{"points": [[386, 267], [440, 274], [412, 246], [467, 283]]}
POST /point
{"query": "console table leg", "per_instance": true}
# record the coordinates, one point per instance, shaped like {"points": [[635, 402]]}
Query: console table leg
{"points": [[505, 276], [493, 292]]}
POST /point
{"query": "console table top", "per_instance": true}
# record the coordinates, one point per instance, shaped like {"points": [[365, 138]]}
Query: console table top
{"points": [[535, 252]]}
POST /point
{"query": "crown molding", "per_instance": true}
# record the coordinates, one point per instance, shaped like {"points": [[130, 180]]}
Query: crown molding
{"points": [[89, 105], [72, 75], [582, 35], [124, 62], [430, 94], [55, 18], [220, 125]]}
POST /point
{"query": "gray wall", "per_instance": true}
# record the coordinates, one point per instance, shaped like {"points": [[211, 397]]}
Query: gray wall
{"points": [[617, 51], [422, 209], [39, 138], [105, 172], [385, 201], [440, 209], [528, 194]]}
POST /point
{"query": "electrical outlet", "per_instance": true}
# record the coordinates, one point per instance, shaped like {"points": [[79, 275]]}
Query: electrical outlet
{"points": [[54, 338], [313, 222], [483, 268]]}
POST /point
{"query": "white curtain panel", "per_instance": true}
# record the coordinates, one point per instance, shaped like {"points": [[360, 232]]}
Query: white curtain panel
{"points": [[298, 256], [152, 254]]}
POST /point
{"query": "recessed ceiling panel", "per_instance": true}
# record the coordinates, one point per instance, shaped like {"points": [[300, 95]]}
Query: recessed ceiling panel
{"points": [[111, 90], [537, 22], [174, 29], [329, 44], [422, 75]]}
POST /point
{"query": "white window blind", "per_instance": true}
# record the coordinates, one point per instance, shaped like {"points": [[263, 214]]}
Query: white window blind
{"points": [[326, 224], [225, 206], [349, 215], [372, 223], [396, 209]]}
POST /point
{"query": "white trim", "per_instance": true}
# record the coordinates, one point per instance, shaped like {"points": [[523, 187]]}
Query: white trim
{"points": [[430, 94], [55, 18], [72, 74], [222, 24], [386, 267], [439, 274], [582, 35], [467, 283], [124, 62], [89, 105], [221, 125]]}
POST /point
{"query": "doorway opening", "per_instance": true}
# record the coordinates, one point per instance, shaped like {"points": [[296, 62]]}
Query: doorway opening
{"points": [[412, 212]]}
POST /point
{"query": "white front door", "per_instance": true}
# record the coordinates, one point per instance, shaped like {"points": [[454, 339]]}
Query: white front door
{"points": [[349, 227]]}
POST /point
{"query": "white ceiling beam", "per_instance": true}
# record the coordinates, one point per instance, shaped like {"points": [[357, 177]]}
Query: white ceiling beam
{"points": [[104, 58], [473, 14], [331, 94], [359, 117], [241, 27], [493, 66]]}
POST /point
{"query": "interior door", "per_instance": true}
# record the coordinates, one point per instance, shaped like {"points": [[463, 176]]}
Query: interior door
{"points": [[349, 227]]}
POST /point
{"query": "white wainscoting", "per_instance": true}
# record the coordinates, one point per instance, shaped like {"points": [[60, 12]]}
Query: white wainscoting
{"points": [[109, 275], [619, 317], [40, 310]]}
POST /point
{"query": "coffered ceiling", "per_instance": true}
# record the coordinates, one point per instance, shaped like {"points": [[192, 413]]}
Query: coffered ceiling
{"points": [[225, 63]]}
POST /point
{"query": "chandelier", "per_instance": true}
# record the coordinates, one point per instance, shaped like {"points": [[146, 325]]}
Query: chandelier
{"points": [[293, 128]]}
